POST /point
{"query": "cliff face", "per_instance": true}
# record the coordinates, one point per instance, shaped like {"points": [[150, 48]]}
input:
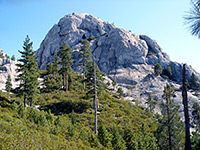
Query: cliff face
{"points": [[7, 67], [121, 54]]}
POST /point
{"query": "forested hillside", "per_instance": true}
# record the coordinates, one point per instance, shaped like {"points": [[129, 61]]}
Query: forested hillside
{"points": [[60, 114]]}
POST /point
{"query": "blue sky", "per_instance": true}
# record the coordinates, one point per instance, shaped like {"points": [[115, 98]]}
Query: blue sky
{"points": [[161, 20]]}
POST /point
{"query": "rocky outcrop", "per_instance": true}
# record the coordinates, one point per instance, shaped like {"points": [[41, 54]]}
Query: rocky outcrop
{"points": [[7, 67], [121, 54]]}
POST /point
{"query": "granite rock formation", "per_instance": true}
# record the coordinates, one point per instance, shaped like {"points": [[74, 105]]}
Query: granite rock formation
{"points": [[122, 55]]}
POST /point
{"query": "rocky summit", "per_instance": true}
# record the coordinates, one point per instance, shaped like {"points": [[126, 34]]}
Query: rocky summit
{"points": [[122, 55]]}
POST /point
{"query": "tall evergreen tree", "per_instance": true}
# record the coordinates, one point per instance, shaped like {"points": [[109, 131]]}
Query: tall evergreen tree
{"points": [[66, 63], [193, 82], [56, 66], [170, 130], [28, 73], [85, 54], [8, 84], [53, 80], [151, 103]]}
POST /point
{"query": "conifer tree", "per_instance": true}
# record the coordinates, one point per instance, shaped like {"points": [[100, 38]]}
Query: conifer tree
{"points": [[8, 84], [66, 63], [28, 73], [104, 136], [85, 54], [193, 82], [89, 78], [53, 80], [151, 103], [170, 131], [56, 66], [13, 57], [117, 140]]}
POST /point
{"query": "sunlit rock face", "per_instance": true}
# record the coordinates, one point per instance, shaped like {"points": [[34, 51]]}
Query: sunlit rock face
{"points": [[122, 55], [7, 67]]}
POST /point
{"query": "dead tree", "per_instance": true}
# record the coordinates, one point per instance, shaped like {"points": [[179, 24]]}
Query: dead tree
{"points": [[186, 114]]}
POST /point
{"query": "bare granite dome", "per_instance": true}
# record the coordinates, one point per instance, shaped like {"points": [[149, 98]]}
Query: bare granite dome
{"points": [[121, 54]]}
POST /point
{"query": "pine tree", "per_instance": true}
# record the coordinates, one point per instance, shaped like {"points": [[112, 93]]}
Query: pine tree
{"points": [[53, 80], [85, 54], [151, 103], [170, 130], [193, 82], [28, 69], [104, 136], [56, 66], [117, 140], [66, 63], [89, 78], [13, 57], [8, 84]]}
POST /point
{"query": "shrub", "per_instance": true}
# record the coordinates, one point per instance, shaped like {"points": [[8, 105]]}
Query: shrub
{"points": [[158, 69]]}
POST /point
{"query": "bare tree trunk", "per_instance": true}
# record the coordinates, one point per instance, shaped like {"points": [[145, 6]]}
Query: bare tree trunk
{"points": [[95, 99], [186, 114], [25, 101]]}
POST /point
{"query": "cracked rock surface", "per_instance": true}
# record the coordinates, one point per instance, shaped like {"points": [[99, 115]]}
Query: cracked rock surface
{"points": [[121, 54]]}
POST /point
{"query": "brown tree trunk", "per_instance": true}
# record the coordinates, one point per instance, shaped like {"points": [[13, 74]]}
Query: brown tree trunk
{"points": [[25, 101], [186, 114]]}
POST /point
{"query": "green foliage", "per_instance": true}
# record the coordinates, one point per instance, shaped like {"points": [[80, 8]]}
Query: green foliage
{"points": [[193, 83], [104, 136], [66, 121], [91, 38], [139, 140], [1, 56], [167, 73], [28, 69], [131, 87], [114, 83], [8, 84], [150, 53], [151, 103], [66, 63], [120, 92], [7, 56], [170, 131], [158, 69], [85, 54], [13, 57], [90, 79], [195, 140], [118, 142], [52, 80], [196, 115]]}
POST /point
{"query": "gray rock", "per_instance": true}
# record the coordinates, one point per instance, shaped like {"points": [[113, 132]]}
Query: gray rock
{"points": [[121, 54], [7, 67]]}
